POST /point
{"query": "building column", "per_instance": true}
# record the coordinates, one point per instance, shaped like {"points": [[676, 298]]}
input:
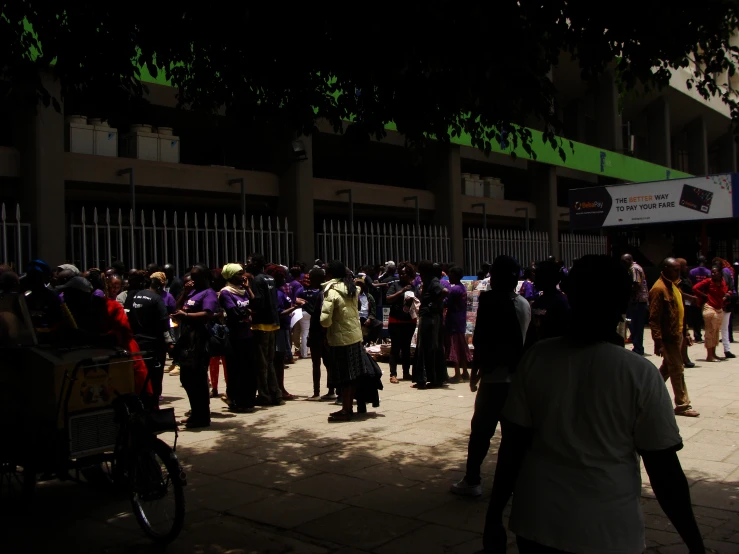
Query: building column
{"points": [[727, 153], [444, 174], [296, 202], [608, 116], [543, 192], [659, 133], [39, 136], [697, 147]]}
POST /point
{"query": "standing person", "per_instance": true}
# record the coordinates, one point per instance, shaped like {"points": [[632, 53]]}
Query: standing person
{"points": [[667, 322], [455, 326], [313, 297], [689, 301], [371, 326], [696, 275], [339, 315], [528, 289], [114, 284], [429, 367], [550, 313], [285, 308], [234, 299], [580, 412], [174, 284], [197, 306], [265, 322], [149, 322], [637, 308], [401, 323], [727, 273], [503, 318], [715, 294]]}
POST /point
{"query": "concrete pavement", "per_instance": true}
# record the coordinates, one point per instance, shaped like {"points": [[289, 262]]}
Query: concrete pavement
{"points": [[285, 480]]}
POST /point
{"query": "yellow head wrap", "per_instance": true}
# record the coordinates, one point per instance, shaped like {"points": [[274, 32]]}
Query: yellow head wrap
{"points": [[229, 270]]}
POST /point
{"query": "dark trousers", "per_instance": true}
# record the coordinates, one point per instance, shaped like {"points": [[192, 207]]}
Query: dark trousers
{"points": [[318, 354], [401, 335], [194, 379], [695, 320], [264, 355], [241, 387], [489, 404], [637, 313]]}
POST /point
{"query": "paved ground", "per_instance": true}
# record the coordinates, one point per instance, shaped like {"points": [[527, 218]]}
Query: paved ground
{"points": [[285, 480]]}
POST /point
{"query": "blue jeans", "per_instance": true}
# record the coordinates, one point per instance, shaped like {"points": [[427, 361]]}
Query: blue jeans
{"points": [[637, 313]]}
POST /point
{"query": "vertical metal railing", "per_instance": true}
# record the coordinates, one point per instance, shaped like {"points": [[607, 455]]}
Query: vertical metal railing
{"points": [[199, 239], [376, 243], [15, 239]]}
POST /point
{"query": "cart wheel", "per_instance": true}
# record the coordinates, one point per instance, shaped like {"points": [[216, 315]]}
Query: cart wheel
{"points": [[156, 483], [16, 486]]}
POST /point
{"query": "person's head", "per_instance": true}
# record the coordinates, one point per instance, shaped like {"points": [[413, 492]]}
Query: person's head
{"points": [[153, 268], [115, 285], [529, 273], [217, 282], [481, 274], [701, 260], [590, 276], [670, 269], [319, 263], [77, 291], [436, 270], [716, 273], [426, 270], [38, 274], [683, 263], [137, 280], [157, 281], [337, 270], [390, 267], [361, 286], [61, 277], [233, 274], [485, 268], [255, 264], [200, 276], [169, 271], [316, 276], [97, 279], [278, 273], [627, 260], [504, 274], [548, 276], [407, 274], [455, 274], [9, 281], [295, 272]]}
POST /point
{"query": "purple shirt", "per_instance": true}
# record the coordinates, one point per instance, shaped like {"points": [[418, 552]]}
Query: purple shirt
{"points": [[169, 302], [98, 293], [283, 303], [697, 274], [237, 313], [456, 313], [201, 301], [528, 291], [295, 288]]}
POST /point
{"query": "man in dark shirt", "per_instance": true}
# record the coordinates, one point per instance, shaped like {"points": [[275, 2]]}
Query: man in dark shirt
{"points": [[550, 312], [174, 284], [147, 315]]}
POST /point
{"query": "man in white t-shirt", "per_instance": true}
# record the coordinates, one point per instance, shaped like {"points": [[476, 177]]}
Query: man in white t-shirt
{"points": [[580, 411], [500, 331]]}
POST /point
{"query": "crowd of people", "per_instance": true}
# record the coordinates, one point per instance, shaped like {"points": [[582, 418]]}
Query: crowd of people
{"points": [[575, 406]]}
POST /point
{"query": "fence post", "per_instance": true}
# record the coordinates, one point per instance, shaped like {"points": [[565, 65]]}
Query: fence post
{"points": [[143, 241]]}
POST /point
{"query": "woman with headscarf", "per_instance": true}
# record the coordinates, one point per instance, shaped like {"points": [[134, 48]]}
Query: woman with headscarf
{"points": [[727, 273], [234, 299], [429, 368]]}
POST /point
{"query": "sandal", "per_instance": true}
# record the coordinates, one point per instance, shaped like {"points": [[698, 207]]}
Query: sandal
{"points": [[394, 380], [341, 415], [288, 396]]}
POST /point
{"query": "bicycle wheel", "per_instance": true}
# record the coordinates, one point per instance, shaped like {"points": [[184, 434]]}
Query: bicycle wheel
{"points": [[156, 485]]}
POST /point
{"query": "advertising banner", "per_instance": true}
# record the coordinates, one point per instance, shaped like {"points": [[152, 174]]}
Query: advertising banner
{"points": [[684, 199]]}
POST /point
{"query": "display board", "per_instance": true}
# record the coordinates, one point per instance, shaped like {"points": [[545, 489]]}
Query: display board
{"points": [[684, 199]]}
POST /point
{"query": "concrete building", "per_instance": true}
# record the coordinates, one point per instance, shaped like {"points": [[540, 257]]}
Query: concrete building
{"points": [[53, 165]]}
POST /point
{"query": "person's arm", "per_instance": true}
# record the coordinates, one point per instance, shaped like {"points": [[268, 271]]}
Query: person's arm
{"points": [[390, 298], [372, 308], [327, 309], [699, 289], [673, 494], [656, 301]]}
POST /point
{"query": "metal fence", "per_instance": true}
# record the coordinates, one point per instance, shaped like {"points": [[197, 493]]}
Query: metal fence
{"points": [[15, 239], [372, 243], [182, 240], [483, 245]]}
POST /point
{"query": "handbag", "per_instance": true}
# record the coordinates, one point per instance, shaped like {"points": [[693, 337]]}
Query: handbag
{"points": [[219, 342]]}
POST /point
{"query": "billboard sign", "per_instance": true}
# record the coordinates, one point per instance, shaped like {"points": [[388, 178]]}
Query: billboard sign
{"points": [[683, 199]]}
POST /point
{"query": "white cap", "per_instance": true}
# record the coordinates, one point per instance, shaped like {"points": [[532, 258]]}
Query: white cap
{"points": [[390, 263]]}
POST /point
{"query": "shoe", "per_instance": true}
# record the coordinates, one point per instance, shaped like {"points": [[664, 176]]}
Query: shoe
{"points": [[329, 396], [175, 370], [462, 488], [169, 368], [226, 400], [190, 423], [689, 365], [278, 402], [688, 413], [394, 380], [407, 377], [341, 415], [242, 409], [287, 396], [214, 393], [729, 355], [315, 398], [453, 380], [636, 352], [339, 402]]}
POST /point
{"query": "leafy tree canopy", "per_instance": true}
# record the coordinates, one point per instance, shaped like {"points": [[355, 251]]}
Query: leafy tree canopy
{"points": [[436, 68]]}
